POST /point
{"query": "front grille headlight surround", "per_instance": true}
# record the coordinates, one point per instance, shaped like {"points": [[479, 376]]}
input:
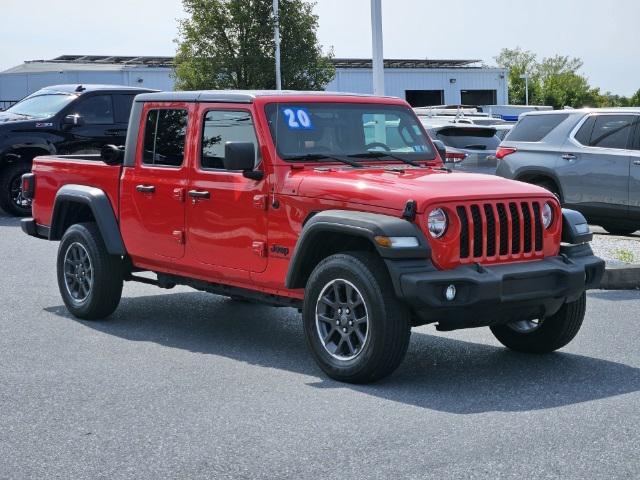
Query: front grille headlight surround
{"points": [[437, 222], [547, 215]]}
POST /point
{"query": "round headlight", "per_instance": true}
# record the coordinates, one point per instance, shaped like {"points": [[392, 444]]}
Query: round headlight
{"points": [[547, 215], [437, 223]]}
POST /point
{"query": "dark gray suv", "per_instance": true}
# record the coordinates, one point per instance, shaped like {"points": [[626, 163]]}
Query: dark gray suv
{"points": [[589, 158]]}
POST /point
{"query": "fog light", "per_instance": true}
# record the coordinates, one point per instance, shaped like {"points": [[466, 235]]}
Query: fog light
{"points": [[450, 292]]}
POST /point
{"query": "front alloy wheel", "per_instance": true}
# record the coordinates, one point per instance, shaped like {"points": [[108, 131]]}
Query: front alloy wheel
{"points": [[342, 321], [356, 328]]}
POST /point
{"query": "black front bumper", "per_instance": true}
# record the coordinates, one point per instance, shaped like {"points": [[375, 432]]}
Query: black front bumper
{"points": [[497, 294]]}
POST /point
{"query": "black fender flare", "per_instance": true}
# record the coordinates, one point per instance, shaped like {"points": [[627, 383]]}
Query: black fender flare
{"points": [[360, 224], [100, 205]]}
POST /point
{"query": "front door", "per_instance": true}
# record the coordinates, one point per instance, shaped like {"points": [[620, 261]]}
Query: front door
{"points": [[152, 208], [98, 126], [594, 165], [226, 212]]}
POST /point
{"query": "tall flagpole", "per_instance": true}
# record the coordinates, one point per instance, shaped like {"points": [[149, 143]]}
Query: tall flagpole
{"points": [[276, 39], [376, 44]]}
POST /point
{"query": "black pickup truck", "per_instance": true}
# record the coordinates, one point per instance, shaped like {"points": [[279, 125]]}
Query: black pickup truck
{"points": [[58, 120]]}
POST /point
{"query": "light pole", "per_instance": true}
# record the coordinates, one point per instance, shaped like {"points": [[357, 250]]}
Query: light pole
{"points": [[525, 77], [276, 39], [376, 46]]}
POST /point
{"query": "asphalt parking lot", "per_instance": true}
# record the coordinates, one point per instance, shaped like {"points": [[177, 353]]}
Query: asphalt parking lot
{"points": [[182, 384]]}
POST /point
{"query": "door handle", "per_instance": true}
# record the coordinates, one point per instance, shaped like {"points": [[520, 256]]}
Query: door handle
{"points": [[115, 132], [636, 162], [199, 194], [568, 156], [146, 188]]}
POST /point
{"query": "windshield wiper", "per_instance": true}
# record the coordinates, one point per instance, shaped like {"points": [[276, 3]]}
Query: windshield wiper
{"points": [[385, 154], [322, 156]]}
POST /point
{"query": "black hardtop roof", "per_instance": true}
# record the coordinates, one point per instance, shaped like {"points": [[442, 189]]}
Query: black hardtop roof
{"points": [[82, 88], [234, 96]]}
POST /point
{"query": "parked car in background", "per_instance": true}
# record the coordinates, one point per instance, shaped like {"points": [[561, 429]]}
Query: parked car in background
{"points": [[470, 148], [502, 130], [590, 159], [61, 119], [462, 114]]}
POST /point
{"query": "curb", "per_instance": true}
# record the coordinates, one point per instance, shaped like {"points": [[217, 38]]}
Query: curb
{"points": [[621, 277]]}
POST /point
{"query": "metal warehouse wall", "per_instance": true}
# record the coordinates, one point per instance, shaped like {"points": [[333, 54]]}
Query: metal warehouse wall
{"points": [[14, 86], [398, 80]]}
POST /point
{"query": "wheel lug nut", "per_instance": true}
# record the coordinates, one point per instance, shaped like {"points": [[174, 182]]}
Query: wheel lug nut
{"points": [[348, 311], [351, 323], [337, 322], [344, 330]]}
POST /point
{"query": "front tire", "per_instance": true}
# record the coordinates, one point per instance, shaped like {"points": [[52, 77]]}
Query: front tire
{"points": [[89, 278], [11, 199], [356, 329], [552, 333]]}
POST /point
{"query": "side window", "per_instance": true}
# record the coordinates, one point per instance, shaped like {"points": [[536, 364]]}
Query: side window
{"points": [[583, 136], [96, 110], [164, 137], [122, 105], [611, 131], [220, 127], [533, 128]]}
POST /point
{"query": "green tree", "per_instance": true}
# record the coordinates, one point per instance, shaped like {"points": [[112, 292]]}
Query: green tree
{"points": [[229, 44], [519, 62], [634, 101]]}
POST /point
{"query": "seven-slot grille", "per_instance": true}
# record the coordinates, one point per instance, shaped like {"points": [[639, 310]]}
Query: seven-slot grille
{"points": [[500, 229]]}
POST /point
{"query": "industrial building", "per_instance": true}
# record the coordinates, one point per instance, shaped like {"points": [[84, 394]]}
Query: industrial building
{"points": [[420, 82]]}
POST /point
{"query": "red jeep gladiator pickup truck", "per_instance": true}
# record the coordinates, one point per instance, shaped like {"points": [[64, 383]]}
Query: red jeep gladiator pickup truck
{"points": [[338, 205]]}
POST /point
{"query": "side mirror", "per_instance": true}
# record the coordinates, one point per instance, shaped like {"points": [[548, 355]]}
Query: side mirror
{"points": [[112, 155], [442, 149], [73, 120], [241, 156]]}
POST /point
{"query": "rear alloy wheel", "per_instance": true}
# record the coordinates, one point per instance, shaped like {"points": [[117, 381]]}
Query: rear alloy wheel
{"points": [[356, 328], [89, 278], [544, 335], [11, 199]]}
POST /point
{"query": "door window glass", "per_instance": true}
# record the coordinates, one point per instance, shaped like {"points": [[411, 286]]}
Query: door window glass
{"points": [[164, 137], [533, 128], [584, 134], [220, 127], [96, 110], [122, 104], [611, 131]]}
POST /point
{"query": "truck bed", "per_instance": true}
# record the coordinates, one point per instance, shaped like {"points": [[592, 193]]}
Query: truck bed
{"points": [[52, 172]]}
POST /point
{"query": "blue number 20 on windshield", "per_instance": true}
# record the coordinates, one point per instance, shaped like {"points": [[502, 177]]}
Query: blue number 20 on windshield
{"points": [[297, 118]]}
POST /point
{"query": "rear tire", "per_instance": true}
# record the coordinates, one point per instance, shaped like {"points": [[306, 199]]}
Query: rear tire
{"points": [[622, 231], [553, 333], [550, 186], [11, 200], [356, 329], [89, 278]]}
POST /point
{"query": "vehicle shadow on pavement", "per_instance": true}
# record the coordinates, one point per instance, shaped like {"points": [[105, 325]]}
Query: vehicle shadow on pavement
{"points": [[438, 373], [7, 221]]}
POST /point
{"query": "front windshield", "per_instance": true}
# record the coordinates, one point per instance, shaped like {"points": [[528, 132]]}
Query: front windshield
{"points": [[357, 131], [41, 106]]}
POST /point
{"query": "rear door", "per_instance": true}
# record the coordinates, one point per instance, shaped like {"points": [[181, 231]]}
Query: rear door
{"points": [[226, 212], [594, 164], [152, 194]]}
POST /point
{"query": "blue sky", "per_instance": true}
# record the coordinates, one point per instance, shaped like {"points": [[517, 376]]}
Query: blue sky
{"points": [[604, 34]]}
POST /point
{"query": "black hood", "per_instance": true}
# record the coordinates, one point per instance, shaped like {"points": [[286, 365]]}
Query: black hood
{"points": [[8, 117]]}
